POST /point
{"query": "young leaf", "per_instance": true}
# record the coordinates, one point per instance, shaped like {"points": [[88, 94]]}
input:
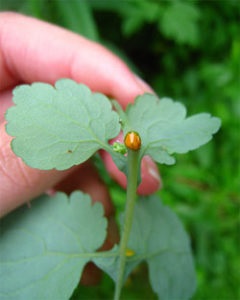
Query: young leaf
{"points": [[59, 127], [157, 237], [164, 128], [44, 249]]}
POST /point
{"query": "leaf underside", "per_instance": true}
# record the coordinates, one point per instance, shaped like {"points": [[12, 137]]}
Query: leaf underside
{"points": [[44, 248], [59, 127], [158, 238], [165, 129], [64, 126]]}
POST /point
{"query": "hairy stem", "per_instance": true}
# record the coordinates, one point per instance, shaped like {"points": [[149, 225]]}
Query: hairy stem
{"points": [[133, 166]]}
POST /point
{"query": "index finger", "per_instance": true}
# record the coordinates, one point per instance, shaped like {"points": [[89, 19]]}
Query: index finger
{"points": [[32, 50]]}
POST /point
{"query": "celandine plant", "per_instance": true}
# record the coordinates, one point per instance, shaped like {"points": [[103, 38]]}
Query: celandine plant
{"points": [[44, 249]]}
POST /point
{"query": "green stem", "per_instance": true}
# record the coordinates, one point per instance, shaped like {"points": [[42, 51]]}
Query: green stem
{"points": [[133, 165]]}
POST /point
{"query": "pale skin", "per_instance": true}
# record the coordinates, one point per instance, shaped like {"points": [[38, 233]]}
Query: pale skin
{"points": [[32, 50]]}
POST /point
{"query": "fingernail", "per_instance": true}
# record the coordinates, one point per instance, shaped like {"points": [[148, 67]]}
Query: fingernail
{"points": [[151, 167], [143, 85], [151, 179], [50, 192]]}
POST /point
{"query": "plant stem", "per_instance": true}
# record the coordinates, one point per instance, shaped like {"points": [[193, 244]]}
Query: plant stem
{"points": [[133, 166]]}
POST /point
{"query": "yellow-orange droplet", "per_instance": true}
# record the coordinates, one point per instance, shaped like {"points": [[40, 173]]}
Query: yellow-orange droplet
{"points": [[129, 252], [132, 140]]}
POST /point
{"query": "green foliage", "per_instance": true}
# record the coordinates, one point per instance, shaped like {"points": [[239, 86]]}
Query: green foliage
{"points": [[48, 130], [51, 132], [179, 22], [168, 257], [44, 249], [164, 128], [51, 242], [62, 126]]}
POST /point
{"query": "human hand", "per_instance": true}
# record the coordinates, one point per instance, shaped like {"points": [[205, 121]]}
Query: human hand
{"points": [[32, 50]]}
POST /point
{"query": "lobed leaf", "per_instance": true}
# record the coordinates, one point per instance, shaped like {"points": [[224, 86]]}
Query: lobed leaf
{"points": [[157, 237], [164, 128], [59, 127], [44, 249]]}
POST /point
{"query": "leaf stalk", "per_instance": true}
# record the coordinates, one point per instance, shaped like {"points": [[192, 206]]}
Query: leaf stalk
{"points": [[133, 169]]}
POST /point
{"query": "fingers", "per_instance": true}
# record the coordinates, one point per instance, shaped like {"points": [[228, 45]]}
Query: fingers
{"points": [[32, 50], [5, 103], [151, 180]]}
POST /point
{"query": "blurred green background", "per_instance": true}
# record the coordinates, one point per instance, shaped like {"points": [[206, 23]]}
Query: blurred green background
{"points": [[190, 51]]}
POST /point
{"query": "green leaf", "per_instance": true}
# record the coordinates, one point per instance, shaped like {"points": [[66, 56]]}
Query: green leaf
{"points": [[179, 21], [164, 128], [157, 237], [44, 248], [59, 127], [109, 263]]}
